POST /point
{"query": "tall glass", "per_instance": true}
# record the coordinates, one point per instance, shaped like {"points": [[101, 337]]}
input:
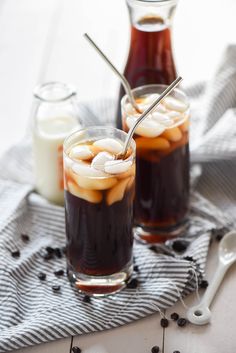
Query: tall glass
{"points": [[162, 164], [99, 197]]}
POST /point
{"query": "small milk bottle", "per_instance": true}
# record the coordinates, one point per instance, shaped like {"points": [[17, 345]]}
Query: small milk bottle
{"points": [[55, 117]]}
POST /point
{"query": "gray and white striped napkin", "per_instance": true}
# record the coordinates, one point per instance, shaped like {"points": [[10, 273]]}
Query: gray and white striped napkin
{"points": [[31, 313]]}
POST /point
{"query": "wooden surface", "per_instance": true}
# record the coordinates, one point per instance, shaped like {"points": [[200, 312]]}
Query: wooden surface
{"points": [[42, 41]]}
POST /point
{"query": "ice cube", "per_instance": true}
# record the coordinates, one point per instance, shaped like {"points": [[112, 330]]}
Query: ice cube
{"points": [[158, 143], [109, 145], [128, 173], [88, 195], [117, 192], [151, 98], [130, 182], [95, 183], [117, 167], [100, 159], [174, 134], [81, 152], [160, 108], [174, 115], [185, 126], [129, 108], [172, 103], [162, 119], [85, 169], [148, 128]]}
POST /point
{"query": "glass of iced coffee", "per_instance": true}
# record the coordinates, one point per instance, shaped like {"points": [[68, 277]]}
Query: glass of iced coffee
{"points": [[162, 163], [99, 194]]}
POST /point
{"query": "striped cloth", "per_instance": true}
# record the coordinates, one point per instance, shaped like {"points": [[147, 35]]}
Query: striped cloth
{"points": [[31, 313]]}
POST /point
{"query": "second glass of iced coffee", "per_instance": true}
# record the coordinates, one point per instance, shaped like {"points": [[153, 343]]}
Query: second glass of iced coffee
{"points": [[162, 163]]}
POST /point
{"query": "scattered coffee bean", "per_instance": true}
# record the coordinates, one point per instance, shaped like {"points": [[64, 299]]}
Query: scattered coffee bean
{"points": [[59, 273], [87, 299], [136, 269], [164, 322], [203, 284], [76, 349], [189, 258], [155, 349], [180, 245], [15, 254], [49, 250], [56, 288], [174, 316], [153, 248], [218, 233], [58, 253], [42, 276], [132, 284], [25, 237], [181, 322]]}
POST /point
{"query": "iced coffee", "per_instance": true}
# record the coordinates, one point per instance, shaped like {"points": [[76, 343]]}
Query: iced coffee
{"points": [[162, 163], [99, 194]]}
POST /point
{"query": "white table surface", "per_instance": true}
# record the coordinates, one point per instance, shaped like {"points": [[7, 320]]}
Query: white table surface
{"points": [[40, 40]]}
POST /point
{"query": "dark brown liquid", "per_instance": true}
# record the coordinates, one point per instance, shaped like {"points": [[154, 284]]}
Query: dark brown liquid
{"points": [[99, 237], [162, 188], [150, 58]]}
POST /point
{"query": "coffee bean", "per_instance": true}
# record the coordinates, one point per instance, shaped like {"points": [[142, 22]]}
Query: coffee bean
{"points": [[15, 254], [56, 288], [176, 352], [164, 322], [203, 284], [155, 349], [86, 299], [58, 253], [189, 258], [59, 273], [49, 250], [76, 349], [153, 248], [181, 322], [136, 269], [180, 245], [133, 283], [25, 237], [174, 316], [42, 276]]}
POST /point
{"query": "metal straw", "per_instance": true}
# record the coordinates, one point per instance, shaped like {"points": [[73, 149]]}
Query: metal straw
{"points": [[124, 82], [149, 110]]}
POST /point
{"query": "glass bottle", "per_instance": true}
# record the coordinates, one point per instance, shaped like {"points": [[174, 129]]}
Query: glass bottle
{"points": [[150, 59], [55, 117]]}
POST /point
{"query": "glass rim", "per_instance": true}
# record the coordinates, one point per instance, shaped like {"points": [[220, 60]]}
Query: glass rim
{"points": [[106, 128], [154, 85], [70, 91], [152, 2]]}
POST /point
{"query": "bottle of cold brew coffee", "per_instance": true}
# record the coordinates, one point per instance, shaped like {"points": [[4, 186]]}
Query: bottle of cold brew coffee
{"points": [[150, 59]]}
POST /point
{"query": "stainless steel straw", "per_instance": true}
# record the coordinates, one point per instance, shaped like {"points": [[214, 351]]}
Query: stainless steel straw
{"points": [[124, 82]]}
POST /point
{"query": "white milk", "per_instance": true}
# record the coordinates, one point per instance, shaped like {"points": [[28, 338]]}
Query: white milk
{"points": [[48, 138]]}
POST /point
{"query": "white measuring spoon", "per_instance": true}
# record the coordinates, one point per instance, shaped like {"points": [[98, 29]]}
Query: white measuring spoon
{"points": [[201, 314]]}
